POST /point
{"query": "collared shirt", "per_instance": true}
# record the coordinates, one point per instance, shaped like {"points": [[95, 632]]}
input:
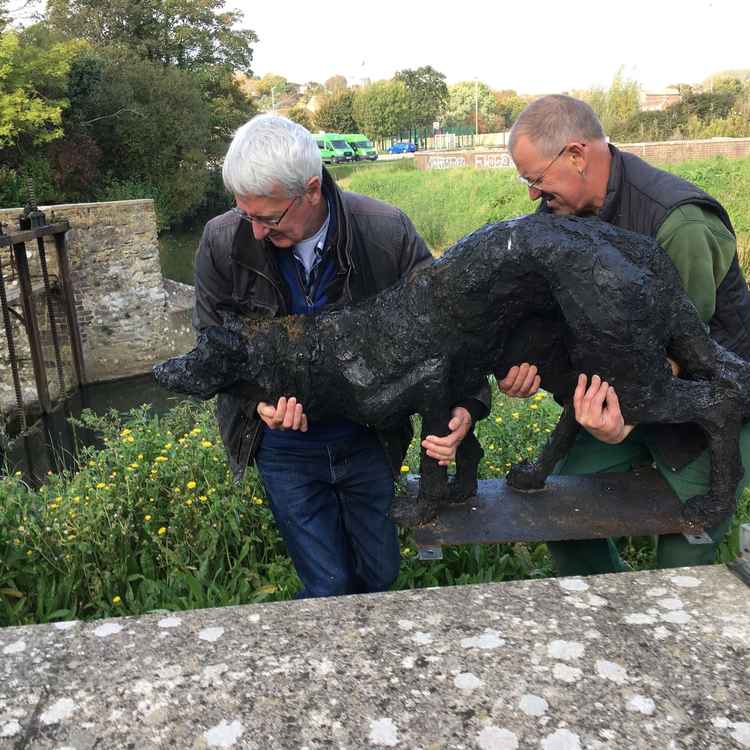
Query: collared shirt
{"points": [[309, 252]]}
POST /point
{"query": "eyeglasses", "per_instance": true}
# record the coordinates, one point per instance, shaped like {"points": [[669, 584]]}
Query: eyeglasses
{"points": [[531, 184], [266, 222]]}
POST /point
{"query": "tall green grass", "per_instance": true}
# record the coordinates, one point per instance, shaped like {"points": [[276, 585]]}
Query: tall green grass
{"points": [[446, 205]]}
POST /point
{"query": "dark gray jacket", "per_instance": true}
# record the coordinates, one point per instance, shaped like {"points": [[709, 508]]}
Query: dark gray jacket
{"points": [[374, 245]]}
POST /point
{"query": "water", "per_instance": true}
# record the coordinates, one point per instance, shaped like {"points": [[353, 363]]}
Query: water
{"points": [[176, 253], [53, 443]]}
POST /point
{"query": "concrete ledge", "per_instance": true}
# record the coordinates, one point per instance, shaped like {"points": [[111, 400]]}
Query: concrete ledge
{"points": [[658, 659]]}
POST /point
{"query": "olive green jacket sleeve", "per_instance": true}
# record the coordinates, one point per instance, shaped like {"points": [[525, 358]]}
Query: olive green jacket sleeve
{"points": [[702, 249]]}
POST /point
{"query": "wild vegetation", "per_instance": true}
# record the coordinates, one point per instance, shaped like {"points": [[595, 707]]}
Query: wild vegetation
{"points": [[446, 205], [154, 521]]}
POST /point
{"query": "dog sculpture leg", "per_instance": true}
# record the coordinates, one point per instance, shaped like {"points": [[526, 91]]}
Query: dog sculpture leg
{"points": [[531, 475], [468, 456]]}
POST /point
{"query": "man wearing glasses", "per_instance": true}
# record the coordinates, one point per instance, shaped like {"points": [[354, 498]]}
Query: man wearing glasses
{"points": [[562, 156], [293, 243]]}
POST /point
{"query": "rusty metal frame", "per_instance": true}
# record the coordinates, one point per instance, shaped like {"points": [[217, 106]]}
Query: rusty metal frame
{"points": [[16, 241]]}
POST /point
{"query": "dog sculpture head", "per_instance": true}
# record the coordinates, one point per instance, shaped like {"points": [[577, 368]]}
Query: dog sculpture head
{"points": [[221, 359]]}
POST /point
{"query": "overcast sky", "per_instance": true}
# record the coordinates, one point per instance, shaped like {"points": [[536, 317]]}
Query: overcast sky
{"points": [[534, 47]]}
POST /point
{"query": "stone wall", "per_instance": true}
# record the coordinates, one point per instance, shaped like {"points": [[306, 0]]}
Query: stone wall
{"points": [[125, 318], [663, 152]]}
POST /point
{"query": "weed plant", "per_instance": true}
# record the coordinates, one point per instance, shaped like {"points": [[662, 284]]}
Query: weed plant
{"points": [[154, 521]]}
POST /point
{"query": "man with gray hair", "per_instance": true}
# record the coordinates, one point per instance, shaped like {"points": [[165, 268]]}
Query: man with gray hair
{"points": [[563, 157], [292, 244]]}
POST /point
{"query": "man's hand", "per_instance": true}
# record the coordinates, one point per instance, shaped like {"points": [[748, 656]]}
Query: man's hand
{"points": [[443, 449], [521, 381], [286, 415], [597, 409]]}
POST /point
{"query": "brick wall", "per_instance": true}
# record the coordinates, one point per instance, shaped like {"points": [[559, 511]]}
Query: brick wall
{"points": [[123, 313]]}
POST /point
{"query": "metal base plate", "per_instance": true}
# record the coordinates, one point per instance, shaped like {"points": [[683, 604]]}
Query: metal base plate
{"points": [[635, 503]]}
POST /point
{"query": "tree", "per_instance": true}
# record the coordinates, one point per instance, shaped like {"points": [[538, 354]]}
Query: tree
{"points": [[34, 69], [428, 94], [617, 104], [335, 84], [151, 126], [462, 105], [270, 82], [301, 115], [313, 87], [335, 113], [382, 109], [190, 34], [508, 106]]}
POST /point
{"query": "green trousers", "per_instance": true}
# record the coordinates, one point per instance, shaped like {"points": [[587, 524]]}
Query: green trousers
{"points": [[590, 456]]}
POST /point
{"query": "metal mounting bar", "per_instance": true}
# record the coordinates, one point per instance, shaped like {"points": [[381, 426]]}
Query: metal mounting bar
{"points": [[27, 235], [636, 503]]}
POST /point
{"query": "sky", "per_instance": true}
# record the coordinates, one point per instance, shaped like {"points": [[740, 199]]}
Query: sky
{"points": [[533, 47]]}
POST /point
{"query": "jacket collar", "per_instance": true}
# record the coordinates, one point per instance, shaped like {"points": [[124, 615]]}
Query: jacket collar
{"points": [[612, 198]]}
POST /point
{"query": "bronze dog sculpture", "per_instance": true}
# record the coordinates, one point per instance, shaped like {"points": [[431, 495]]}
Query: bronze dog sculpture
{"points": [[569, 294]]}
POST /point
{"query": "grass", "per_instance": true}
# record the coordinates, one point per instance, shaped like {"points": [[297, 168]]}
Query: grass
{"points": [[446, 205]]}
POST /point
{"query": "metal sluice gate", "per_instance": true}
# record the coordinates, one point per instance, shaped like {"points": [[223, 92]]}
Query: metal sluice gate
{"points": [[19, 290]]}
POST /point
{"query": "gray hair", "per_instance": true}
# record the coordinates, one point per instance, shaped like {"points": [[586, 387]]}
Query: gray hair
{"points": [[554, 120], [268, 152]]}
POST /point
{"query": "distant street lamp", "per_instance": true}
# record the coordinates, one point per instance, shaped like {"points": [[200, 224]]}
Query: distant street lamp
{"points": [[476, 106]]}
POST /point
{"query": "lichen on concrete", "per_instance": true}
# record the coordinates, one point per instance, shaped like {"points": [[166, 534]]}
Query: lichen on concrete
{"points": [[528, 664]]}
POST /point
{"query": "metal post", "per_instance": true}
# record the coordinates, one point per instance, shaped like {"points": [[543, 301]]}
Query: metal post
{"points": [[70, 306], [12, 352], [51, 314], [32, 326], [476, 108]]}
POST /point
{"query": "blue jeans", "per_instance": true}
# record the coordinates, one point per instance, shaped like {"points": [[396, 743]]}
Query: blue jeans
{"points": [[331, 504]]}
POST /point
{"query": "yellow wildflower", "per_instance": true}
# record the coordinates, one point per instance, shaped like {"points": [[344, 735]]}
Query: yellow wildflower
{"points": [[133, 466], [404, 469], [196, 431], [533, 406], [188, 503], [161, 459], [498, 420], [168, 446], [258, 500], [116, 600], [191, 485], [206, 444], [202, 498], [162, 531], [515, 415], [129, 439], [147, 518], [100, 485]]}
